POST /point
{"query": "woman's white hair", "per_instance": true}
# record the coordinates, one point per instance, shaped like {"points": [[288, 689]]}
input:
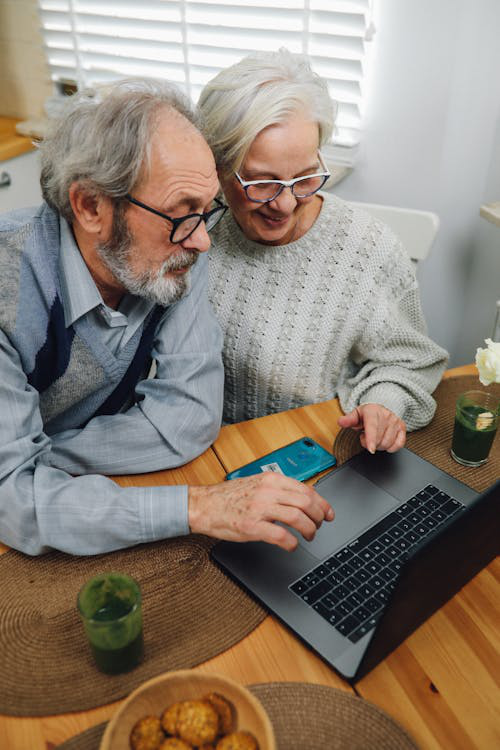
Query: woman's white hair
{"points": [[103, 138], [262, 89]]}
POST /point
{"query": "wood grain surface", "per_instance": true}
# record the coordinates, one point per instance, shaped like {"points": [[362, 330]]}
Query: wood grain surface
{"points": [[12, 144], [442, 683]]}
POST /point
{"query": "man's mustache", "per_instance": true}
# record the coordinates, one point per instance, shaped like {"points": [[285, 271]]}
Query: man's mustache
{"points": [[181, 260]]}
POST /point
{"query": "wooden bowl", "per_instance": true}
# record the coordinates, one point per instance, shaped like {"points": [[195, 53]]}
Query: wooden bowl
{"points": [[154, 696]]}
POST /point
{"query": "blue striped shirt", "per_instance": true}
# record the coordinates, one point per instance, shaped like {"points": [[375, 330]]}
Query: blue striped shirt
{"points": [[52, 490]]}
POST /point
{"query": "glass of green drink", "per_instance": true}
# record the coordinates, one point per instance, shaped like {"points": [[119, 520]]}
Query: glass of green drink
{"points": [[110, 607], [476, 421]]}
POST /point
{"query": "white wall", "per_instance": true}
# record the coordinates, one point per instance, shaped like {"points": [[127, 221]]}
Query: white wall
{"points": [[432, 141]]}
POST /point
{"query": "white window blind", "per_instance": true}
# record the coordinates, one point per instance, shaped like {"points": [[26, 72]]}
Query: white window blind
{"points": [[92, 41]]}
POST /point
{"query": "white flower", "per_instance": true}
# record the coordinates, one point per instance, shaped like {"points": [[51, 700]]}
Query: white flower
{"points": [[488, 362]]}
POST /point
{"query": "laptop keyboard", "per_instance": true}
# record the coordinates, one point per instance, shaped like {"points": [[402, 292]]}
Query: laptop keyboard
{"points": [[350, 588]]}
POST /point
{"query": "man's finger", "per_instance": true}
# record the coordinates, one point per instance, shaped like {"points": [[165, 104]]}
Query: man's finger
{"points": [[295, 518], [292, 492], [313, 505], [272, 533]]}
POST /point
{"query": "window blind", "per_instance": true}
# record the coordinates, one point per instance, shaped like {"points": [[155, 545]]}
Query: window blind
{"points": [[189, 41]]}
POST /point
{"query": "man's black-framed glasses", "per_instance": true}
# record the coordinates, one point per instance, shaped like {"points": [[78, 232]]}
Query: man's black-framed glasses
{"points": [[263, 191], [184, 226]]}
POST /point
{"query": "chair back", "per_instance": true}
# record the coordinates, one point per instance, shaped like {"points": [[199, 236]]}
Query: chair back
{"points": [[416, 229]]}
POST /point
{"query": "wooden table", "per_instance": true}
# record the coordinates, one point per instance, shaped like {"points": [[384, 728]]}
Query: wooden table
{"points": [[11, 143], [442, 683]]}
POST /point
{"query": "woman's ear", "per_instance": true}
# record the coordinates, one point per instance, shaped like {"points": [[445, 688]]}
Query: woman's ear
{"points": [[94, 213]]}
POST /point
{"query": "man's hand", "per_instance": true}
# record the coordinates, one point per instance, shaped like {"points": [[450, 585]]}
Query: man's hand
{"points": [[382, 429], [243, 510]]}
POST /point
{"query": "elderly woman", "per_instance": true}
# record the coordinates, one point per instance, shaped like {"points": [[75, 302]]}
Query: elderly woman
{"points": [[316, 298]]}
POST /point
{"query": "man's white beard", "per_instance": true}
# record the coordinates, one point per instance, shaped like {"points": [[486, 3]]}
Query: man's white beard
{"points": [[155, 286]]}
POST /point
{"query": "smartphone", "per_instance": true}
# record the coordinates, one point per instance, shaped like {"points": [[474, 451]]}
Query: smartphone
{"points": [[300, 460]]}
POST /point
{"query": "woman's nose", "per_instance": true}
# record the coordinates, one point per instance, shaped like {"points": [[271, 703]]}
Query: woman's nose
{"points": [[285, 202]]}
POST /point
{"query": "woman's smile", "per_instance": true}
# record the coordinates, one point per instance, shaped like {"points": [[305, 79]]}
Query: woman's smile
{"points": [[274, 221]]}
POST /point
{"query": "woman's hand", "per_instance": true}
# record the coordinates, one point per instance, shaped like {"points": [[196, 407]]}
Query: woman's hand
{"points": [[382, 429]]}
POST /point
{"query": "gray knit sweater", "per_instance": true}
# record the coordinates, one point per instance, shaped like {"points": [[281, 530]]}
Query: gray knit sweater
{"points": [[336, 312]]}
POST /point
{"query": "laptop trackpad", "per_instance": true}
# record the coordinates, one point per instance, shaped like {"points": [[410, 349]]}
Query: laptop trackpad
{"points": [[357, 503]]}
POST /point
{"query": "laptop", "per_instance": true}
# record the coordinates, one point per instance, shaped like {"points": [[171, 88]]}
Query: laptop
{"points": [[406, 537]]}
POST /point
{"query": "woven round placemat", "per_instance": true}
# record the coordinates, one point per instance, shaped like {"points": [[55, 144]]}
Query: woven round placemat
{"points": [[434, 441], [191, 612], [308, 717]]}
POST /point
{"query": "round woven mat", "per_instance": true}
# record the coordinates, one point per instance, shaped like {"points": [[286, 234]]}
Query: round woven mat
{"points": [[308, 717], [191, 612], [434, 441]]}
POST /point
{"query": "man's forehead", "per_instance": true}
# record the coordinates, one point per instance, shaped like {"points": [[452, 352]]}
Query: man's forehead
{"points": [[172, 185], [173, 131], [181, 164], [185, 196], [177, 144]]}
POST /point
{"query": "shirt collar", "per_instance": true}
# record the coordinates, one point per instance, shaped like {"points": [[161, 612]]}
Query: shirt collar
{"points": [[79, 292]]}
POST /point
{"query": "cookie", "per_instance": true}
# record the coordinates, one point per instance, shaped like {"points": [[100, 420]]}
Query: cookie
{"points": [[174, 743], [224, 710], [146, 734], [197, 722], [237, 741], [169, 718]]}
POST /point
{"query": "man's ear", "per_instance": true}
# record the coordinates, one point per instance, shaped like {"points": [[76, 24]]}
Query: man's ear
{"points": [[93, 212]]}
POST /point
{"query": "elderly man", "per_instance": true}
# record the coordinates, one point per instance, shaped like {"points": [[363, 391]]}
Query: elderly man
{"points": [[105, 277]]}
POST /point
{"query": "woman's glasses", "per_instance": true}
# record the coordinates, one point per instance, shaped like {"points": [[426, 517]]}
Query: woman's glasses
{"points": [[263, 191]]}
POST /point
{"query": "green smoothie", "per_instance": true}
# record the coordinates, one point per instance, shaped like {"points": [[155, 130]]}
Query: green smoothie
{"points": [[114, 661], [473, 434], [110, 605]]}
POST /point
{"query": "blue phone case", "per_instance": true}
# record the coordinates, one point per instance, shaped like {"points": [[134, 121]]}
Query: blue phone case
{"points": [[300, 460]]}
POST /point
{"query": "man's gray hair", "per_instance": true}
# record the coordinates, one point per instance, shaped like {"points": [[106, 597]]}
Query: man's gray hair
{"points": [[262, 89], [103, 139]]}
